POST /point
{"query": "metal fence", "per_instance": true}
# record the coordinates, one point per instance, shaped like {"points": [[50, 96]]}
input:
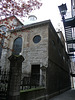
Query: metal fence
{"points": [[26, 83], [4, 76], [30, 82]]}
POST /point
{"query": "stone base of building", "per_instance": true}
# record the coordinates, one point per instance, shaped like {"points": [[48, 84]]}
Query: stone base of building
{"points": [[40, 94], [58, 92]]}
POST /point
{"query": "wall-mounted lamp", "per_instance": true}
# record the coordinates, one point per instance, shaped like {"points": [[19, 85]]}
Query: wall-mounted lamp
{"points": [[63, 9]]}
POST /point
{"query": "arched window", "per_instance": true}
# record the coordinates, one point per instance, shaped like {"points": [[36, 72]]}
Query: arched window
{"points": [[17, 46]]}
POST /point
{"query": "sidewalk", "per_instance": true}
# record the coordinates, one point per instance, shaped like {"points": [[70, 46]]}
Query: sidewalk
{"points": [[68, 95]]}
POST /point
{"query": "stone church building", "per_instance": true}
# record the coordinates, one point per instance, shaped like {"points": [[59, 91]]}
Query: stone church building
{"points": [[44, 53]]}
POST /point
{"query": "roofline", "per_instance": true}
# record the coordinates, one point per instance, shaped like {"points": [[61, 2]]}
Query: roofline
{"points": [[10, 17], [31, 25], [19, 20]]}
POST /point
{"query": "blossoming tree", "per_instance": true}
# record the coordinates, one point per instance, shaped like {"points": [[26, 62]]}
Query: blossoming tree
{"points": [[17, 8]]}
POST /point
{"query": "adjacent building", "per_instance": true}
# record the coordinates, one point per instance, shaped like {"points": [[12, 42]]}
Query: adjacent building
{"points": [[70, 37]]}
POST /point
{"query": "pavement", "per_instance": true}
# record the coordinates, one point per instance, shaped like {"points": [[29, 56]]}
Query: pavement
{"points": [[68, 95]]}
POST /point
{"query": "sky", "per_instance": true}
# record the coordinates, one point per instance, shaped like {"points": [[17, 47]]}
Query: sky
{"points": [[49, 10]]}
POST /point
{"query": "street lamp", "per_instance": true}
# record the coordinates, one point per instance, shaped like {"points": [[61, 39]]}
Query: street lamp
{"points": [[63, 10]]}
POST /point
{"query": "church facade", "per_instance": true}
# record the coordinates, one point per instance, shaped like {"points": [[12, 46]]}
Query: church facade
{"points": [[44, 53]]}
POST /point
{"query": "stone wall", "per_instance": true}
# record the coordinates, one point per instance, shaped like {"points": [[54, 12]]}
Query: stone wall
{"points": [[35, 94], [49, 53], [57, 79], [34, 53], [58, 75], [10, 23]]}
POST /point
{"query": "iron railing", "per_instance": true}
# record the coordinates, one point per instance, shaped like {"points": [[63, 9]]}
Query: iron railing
{"points": [[26, 83], [4, 76], [30, 82]]}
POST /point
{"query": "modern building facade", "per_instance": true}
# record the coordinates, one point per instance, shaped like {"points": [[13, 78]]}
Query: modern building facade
{"points": [[73, 8], [69, 27], [70, 36]]}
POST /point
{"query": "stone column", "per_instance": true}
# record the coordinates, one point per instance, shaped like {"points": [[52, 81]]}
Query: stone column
{"points": [[15, 77], [43, 68]]}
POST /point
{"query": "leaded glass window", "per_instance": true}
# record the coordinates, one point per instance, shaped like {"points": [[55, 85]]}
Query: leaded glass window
{"points": [[37, 39], [17, 46]]}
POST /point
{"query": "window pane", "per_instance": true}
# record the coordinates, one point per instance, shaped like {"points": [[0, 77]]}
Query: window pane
{"points": [[37, 39], [17, 46]]}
